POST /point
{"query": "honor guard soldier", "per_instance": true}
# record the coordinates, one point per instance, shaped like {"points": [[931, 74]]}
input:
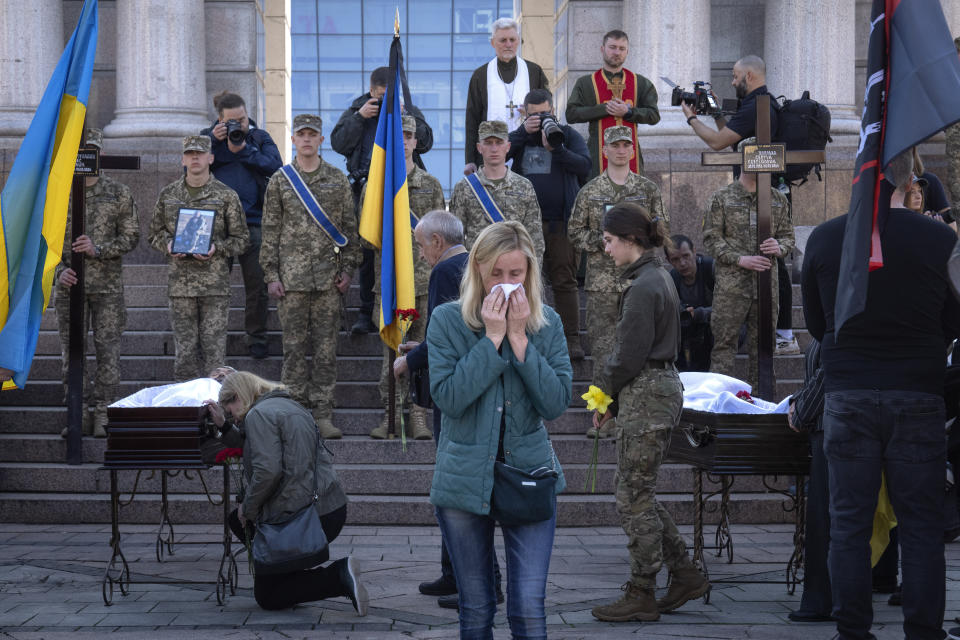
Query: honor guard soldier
{"points": [[603, 286], [111, 229], [198, 283], [310, 248]]}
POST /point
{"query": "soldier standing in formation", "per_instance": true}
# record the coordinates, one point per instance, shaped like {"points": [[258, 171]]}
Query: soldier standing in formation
{"points": [[199, 285], [111, 229], [426, 194], [616, 184], [310, 249]]}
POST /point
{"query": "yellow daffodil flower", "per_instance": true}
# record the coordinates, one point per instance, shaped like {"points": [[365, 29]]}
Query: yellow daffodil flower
{"points": [[596, 399]]}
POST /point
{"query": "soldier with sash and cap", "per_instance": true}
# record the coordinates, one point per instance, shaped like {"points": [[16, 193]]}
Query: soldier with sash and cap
{"points": [[494, 193], [310, 249], [199, 283], [426, 194], [111, 229], [603, 285]]}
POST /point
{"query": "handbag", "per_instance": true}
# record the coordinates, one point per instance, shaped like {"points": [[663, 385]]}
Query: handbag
{"points": [[522, 497], [294, 544], [420, 388]]}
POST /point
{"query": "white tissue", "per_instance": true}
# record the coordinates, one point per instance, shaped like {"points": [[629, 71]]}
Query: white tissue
{"points": [[507, 289]]}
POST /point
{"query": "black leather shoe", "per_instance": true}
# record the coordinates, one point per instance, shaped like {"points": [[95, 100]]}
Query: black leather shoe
{"points": [[442, 586], [453, 601], [364, 325], [809, 616]]}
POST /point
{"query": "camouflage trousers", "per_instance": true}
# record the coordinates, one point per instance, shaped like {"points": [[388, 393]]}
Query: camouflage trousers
{"points": [[649, 410], [106, 314], [310, 319], [417, 332], [602, 311], [735, 303], [199, 334]]}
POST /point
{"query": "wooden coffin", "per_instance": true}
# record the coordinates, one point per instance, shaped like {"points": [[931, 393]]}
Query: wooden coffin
{"points": [[739, 444], [155, 438]]}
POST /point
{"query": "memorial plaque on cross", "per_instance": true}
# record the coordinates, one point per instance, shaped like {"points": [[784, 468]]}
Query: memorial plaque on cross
{"points": [[89, 163], [764, 159]]}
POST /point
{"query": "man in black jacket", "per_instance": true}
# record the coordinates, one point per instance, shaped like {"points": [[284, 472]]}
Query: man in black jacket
{"points": [[555, 159], [244, 158], [353, 138], [884, 407], [693, 275]]}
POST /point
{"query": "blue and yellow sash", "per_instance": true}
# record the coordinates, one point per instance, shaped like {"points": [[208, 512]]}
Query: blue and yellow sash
{"points": [[309, 201], [483, 197]]}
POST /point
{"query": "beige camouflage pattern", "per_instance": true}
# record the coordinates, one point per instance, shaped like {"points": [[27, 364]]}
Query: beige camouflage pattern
{"points": [[649, 410], [307, 121], [196, 143], [199, 334], [603, 311], [295, 250], [189, 276], [417, 333], [310, 319], [730, 231], [586, 232], [514, 196], [952, 151]]}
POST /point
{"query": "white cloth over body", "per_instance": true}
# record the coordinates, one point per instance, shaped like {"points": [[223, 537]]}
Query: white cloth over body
{"points": [[717, 393], [500, 93], [191, 393]]}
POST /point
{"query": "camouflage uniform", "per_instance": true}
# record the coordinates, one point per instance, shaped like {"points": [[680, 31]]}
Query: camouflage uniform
{"points": [[114, 227], [729, 232], [199, 290], [300, 255], [952, 150], [514, 196]]}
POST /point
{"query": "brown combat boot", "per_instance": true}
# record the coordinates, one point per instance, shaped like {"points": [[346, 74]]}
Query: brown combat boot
{"points": [[380, 432], [327, 430], [685, 584], [636, 604], [100, 422], [418, 429]]}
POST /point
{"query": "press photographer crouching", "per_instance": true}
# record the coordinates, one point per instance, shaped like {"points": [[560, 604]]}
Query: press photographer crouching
{"points": [[289, 477]]}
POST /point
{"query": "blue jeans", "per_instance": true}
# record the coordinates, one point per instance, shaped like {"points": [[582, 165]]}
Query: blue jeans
{"points": [[469, 539], [902, 434]]}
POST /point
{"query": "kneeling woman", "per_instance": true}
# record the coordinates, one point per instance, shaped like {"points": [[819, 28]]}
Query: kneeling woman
{"points": [[498, 368], [640, 374], [281, 461]]}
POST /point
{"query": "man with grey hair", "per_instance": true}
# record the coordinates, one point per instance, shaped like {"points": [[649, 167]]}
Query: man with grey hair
{"points": [[497, 88], [884, 407]]}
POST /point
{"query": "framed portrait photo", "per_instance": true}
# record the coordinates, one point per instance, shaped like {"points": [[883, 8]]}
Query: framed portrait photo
{"points": [[194, 231]]}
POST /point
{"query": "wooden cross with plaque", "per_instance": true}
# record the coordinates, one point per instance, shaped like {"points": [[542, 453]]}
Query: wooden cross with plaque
{"points": [[616, 88], [89, 163], [763, 159]]}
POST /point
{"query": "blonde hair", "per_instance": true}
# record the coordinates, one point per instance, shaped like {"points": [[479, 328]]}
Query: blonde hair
{"points": [[247, 388], [494, 241]]}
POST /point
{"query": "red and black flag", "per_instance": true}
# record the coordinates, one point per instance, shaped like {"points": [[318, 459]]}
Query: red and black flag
{"points": [[912, 91]]}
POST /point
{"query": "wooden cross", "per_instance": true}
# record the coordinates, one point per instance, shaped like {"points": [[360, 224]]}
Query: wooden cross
{"points": [[616, 87], [765, 320], [78, 337], [511, 106]]}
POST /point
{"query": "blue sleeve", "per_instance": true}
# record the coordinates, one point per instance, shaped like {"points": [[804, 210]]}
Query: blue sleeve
{"points": [[418, 359], [261, 154]]}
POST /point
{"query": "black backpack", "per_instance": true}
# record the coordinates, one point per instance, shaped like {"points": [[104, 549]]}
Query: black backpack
{"points": [[802, 125]]}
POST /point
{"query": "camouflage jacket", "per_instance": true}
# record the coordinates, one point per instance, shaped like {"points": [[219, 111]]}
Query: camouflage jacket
{"points": [[952, 151], [426, 194], [515, 197], [730, 225], [294, 249], [189, 276], [113, 225], [585, 229]]}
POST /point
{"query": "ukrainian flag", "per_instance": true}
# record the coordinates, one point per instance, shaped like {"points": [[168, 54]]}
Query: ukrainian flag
{"points": [[385, 217], [33, 204]]}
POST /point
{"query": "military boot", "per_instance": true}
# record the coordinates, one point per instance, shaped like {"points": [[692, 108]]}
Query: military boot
{"points": [[608, 430], [327, 430], [418, 429], [636, 604], [100, 422], [685, 584], [86, 425], [380, 432]]}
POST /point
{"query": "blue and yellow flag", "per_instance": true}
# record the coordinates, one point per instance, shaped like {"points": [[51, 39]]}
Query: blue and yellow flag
{"points": [[33, 203], [385, 217]]}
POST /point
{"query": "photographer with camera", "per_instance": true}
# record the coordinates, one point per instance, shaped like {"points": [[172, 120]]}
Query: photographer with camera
{"points": [[693, 275], [244, 158], [554, 158], [352, 138]]}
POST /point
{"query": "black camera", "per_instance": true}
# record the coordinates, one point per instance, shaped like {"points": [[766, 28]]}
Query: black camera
{"points": [[235, 133], [702, 98], [551, 128]]}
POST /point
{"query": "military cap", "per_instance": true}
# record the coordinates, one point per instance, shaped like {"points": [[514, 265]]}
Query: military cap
{"points": [[493, 129], [196, 143], [745, 142], [307, 121], [612, 134], [94, 138], [409, 123]]}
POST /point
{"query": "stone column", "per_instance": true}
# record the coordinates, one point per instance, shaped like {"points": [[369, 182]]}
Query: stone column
{"points": [[161, 64], [810, 45], [668, 38], [277, 75], [31, 41]]}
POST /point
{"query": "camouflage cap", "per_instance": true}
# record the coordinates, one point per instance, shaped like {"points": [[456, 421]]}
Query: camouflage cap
{"points": [[409, 123], [745, 142], [95, 138], [307, 121], [493, 129], [612, 134], [196, 143]]}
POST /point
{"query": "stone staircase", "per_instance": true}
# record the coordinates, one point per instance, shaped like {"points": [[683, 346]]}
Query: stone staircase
{"points": [[386, 485]]}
